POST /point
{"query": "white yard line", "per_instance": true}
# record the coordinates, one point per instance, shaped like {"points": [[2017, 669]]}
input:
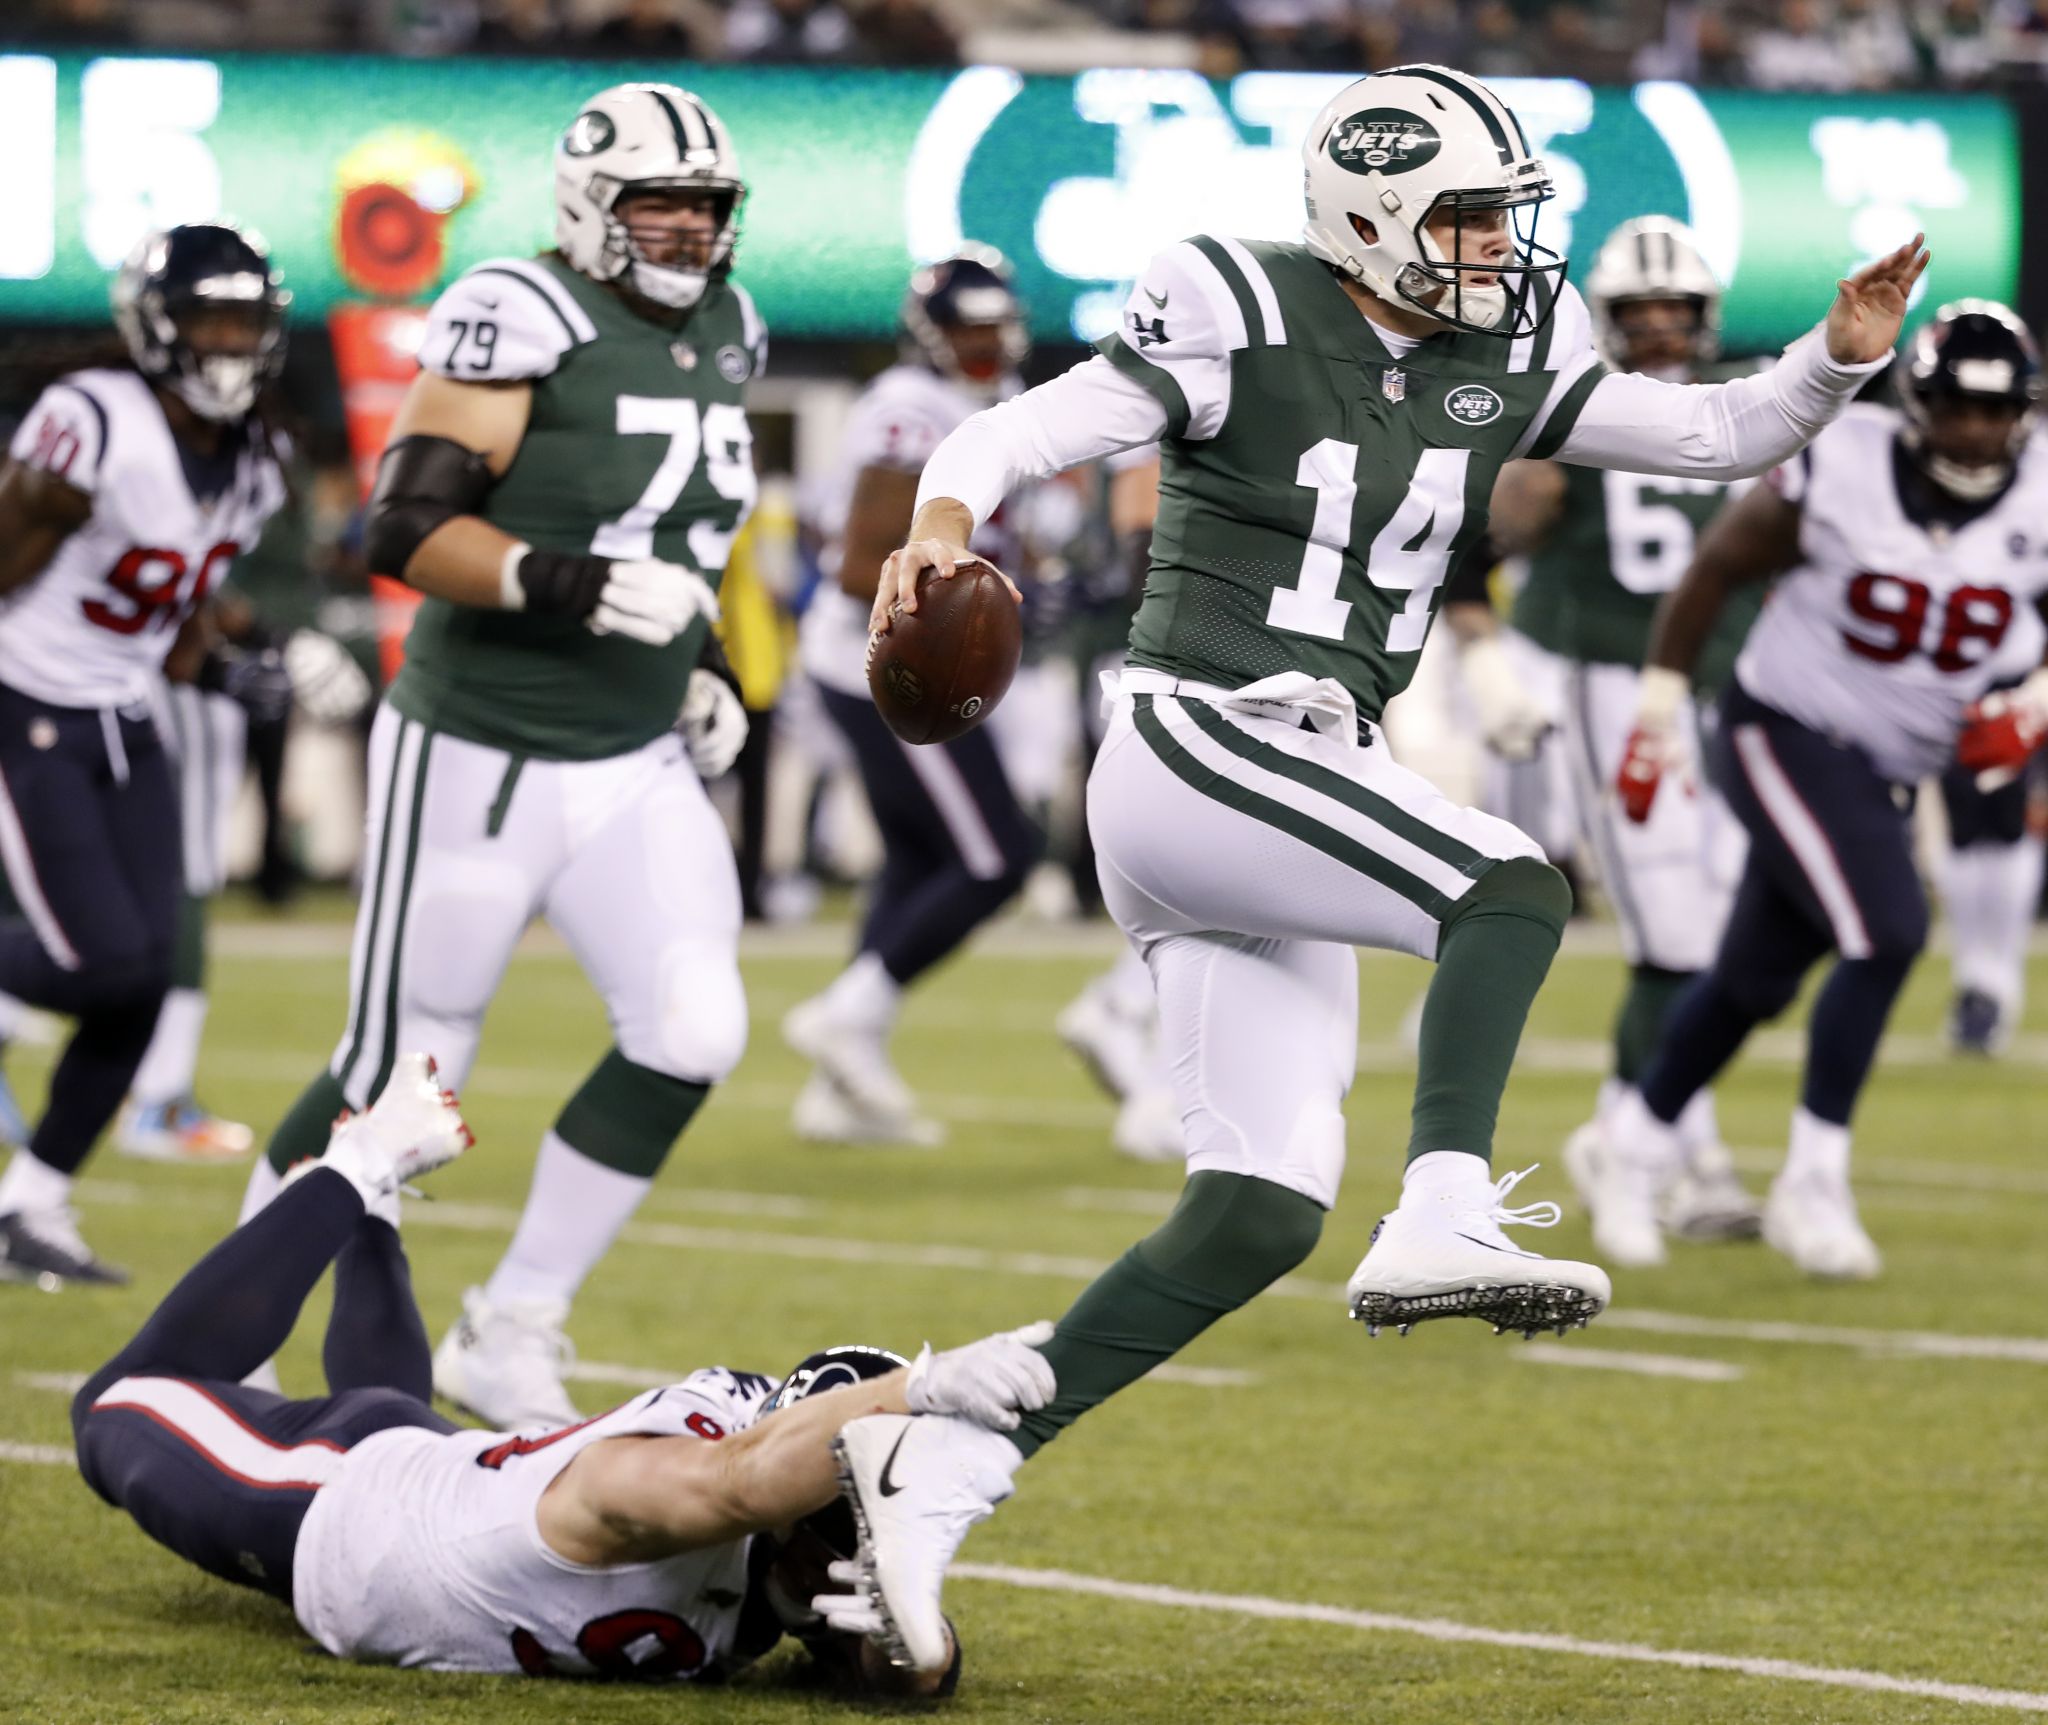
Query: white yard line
{"points": [[38, 1454], [1444, 1629], [1931, 1344], [1642, 1365], [57, 1383]]}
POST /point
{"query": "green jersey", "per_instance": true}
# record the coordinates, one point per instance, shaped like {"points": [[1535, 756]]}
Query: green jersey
{"points": [[1316, 485], [637, 446], [1621, 542]]}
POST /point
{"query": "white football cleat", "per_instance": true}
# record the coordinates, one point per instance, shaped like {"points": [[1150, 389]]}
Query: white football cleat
{"points": [[856, 1059], [179, 1131], [505, 1363], [916, 1484], [1148, 1127], [412, 1128], [825, 1114], [1115, 1047], [1813, 1222], [1708, 1200], [1622, 1166], [1441, 1254]]}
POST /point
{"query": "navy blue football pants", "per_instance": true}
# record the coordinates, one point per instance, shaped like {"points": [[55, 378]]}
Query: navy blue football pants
{"points": [[956, 843], [1830, 869], [90, 840], [223, 1474]]}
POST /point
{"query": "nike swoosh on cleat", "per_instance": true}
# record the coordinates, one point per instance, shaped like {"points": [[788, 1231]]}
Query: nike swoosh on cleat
{"points": [[1509, 1251], [888, 1489], [1158, 299]]}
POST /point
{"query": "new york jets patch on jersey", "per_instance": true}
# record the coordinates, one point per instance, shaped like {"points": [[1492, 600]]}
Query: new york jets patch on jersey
{"points": [[93, 629], [1888, 629], [1318, 476]]}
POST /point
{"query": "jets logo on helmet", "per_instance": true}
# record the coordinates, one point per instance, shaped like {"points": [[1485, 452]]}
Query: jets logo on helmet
{"points": [[1384, 138], [1389, 152], [1973, 350], [1652, 258], [201, 310], [635, 138]]}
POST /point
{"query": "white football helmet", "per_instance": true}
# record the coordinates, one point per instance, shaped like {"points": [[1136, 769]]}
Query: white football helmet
{"points": [[1393, 148], [636, 137], [1652, 257]]}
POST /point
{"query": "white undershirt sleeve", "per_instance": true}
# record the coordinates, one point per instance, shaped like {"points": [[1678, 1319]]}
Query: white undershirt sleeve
{"points": [[1714, 430], [1082, 415]]}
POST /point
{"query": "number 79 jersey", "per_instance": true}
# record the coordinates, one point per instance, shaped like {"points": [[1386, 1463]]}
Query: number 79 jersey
{"points": [[1316, 485], [1888, 629], [93, 628], [637, 445]]}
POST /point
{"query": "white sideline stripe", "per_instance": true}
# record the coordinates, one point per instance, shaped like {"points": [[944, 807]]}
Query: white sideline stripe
{"points": [[57, 1383], [38, 1454], [1444, 1629], [221, 1438], [1805, 837], [953, 797], [1643, 1365], [1340, 818]]}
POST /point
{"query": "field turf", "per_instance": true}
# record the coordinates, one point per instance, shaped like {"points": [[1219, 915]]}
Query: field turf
{"points": [[1842, 1491]]}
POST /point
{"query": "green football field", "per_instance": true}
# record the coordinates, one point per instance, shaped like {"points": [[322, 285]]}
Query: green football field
{"points": [[1738, 1497]]}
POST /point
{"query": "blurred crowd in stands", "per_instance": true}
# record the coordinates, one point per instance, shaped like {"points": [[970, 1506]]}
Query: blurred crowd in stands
{"points": [[1765, 44]]}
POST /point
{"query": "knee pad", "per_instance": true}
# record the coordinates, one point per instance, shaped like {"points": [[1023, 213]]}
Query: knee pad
{"points": [[1900, 936], [1235, 1234], [1520, 886], [698, 1030]]}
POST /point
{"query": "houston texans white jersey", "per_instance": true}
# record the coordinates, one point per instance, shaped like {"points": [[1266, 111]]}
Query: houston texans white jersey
{"points": [[900, 418], [93, 628], [424, 1550], [1888, 629]]}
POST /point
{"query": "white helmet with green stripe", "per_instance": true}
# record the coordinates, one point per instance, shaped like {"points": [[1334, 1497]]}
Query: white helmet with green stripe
{"points": [[643, 137], [1389, 151]]}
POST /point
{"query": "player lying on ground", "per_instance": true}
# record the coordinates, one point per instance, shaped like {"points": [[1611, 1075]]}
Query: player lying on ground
{"points": [[1907, 544], [675, 1537], [1332, 418]]}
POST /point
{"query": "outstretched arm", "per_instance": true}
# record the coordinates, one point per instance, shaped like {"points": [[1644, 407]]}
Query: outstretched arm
{"points": [[1742, 427]]}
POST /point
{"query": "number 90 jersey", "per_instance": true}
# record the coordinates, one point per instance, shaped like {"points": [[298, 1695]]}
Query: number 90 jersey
{"points": [[1316, 484], [92, 630], [424, 1550], [637, 445], [1888, 629]]}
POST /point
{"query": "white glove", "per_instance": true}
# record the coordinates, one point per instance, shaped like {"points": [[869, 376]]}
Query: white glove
{"points": [[1511, 719], [652, 601], [714, 724], [328, 684], [990, 1381]]}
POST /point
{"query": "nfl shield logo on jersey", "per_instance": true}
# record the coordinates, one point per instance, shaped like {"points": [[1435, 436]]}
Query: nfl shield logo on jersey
{"points": [[1394, 384]]}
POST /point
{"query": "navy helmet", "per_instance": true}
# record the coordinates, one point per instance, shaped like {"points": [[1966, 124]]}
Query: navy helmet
{"points": [[173, 276], [1977, 350], [974, 286]]}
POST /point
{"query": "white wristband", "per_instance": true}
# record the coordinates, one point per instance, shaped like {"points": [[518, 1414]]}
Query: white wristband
{"points": [[511, 595], [1659, 694]]}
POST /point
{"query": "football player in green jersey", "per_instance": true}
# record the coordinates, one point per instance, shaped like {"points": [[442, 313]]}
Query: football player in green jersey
{"points": [[563, 482], [1604, 547], [1333, 416]]}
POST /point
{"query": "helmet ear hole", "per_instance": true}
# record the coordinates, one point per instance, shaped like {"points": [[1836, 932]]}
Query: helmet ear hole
{"points": [[1364, 229]]}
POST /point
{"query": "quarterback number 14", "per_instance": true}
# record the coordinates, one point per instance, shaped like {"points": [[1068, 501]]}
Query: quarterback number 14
{"points": [[1409, 554]]}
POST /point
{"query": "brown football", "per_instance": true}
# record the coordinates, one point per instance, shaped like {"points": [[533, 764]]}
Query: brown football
{"points": [[941, 669]]}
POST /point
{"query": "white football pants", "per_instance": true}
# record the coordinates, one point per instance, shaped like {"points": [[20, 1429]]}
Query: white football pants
{"points": [[1673, 878], [1245, 857], [625, 858]]}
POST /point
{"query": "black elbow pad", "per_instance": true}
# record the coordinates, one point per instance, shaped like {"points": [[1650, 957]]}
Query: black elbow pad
{"points": [[421, 482]]}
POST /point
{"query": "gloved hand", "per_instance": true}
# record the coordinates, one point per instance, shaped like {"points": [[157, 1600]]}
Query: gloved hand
{"points": [[254, 677], [328, 684], [1511, 720], [2001, 731], [651, 601], [991, 1381], [1659, 747], [714, 724]]}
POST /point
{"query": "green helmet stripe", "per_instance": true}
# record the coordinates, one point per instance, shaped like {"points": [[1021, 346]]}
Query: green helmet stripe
{"points": [[1494, 129]]}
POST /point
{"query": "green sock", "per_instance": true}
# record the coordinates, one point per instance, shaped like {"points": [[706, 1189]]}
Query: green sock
{"points": [[304, 1131], [1230, 1236], [1492, 955], [1650, 994], [628, 1117], [188, 950]]}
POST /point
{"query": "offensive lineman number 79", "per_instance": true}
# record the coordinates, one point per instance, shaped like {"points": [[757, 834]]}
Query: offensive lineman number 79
{"points": [[1409, 554]]}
